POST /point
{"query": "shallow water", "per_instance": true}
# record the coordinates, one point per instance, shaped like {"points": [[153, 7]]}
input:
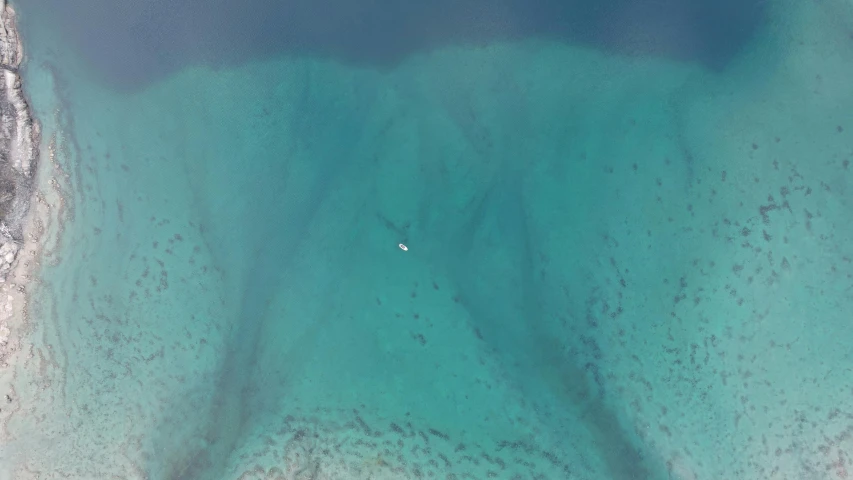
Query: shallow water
{"points": [[618, 267]]}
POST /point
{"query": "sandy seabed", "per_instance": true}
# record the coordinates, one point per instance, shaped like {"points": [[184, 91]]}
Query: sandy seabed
{"points": [[772, 457]]}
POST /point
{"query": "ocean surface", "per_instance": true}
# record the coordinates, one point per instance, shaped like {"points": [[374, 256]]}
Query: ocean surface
{"points": [[628, 247]]}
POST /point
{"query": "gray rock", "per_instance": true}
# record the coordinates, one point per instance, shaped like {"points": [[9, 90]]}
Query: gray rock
{"points": [[19, 134]]}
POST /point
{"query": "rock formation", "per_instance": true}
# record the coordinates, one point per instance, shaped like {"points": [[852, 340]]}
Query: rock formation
{"points": [[19, 143]]}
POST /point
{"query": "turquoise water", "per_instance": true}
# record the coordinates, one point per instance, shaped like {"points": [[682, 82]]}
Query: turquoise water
{"points": [[616, 267]]}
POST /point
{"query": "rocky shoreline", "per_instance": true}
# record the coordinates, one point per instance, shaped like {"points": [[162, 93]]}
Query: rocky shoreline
{"points": [[19, 145], [19, 150]]}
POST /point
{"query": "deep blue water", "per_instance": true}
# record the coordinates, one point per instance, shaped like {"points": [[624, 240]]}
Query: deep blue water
{"points": [[131, 44]]}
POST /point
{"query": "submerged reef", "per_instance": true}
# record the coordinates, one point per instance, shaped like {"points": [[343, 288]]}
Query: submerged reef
{"points": [[19, 142]]}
